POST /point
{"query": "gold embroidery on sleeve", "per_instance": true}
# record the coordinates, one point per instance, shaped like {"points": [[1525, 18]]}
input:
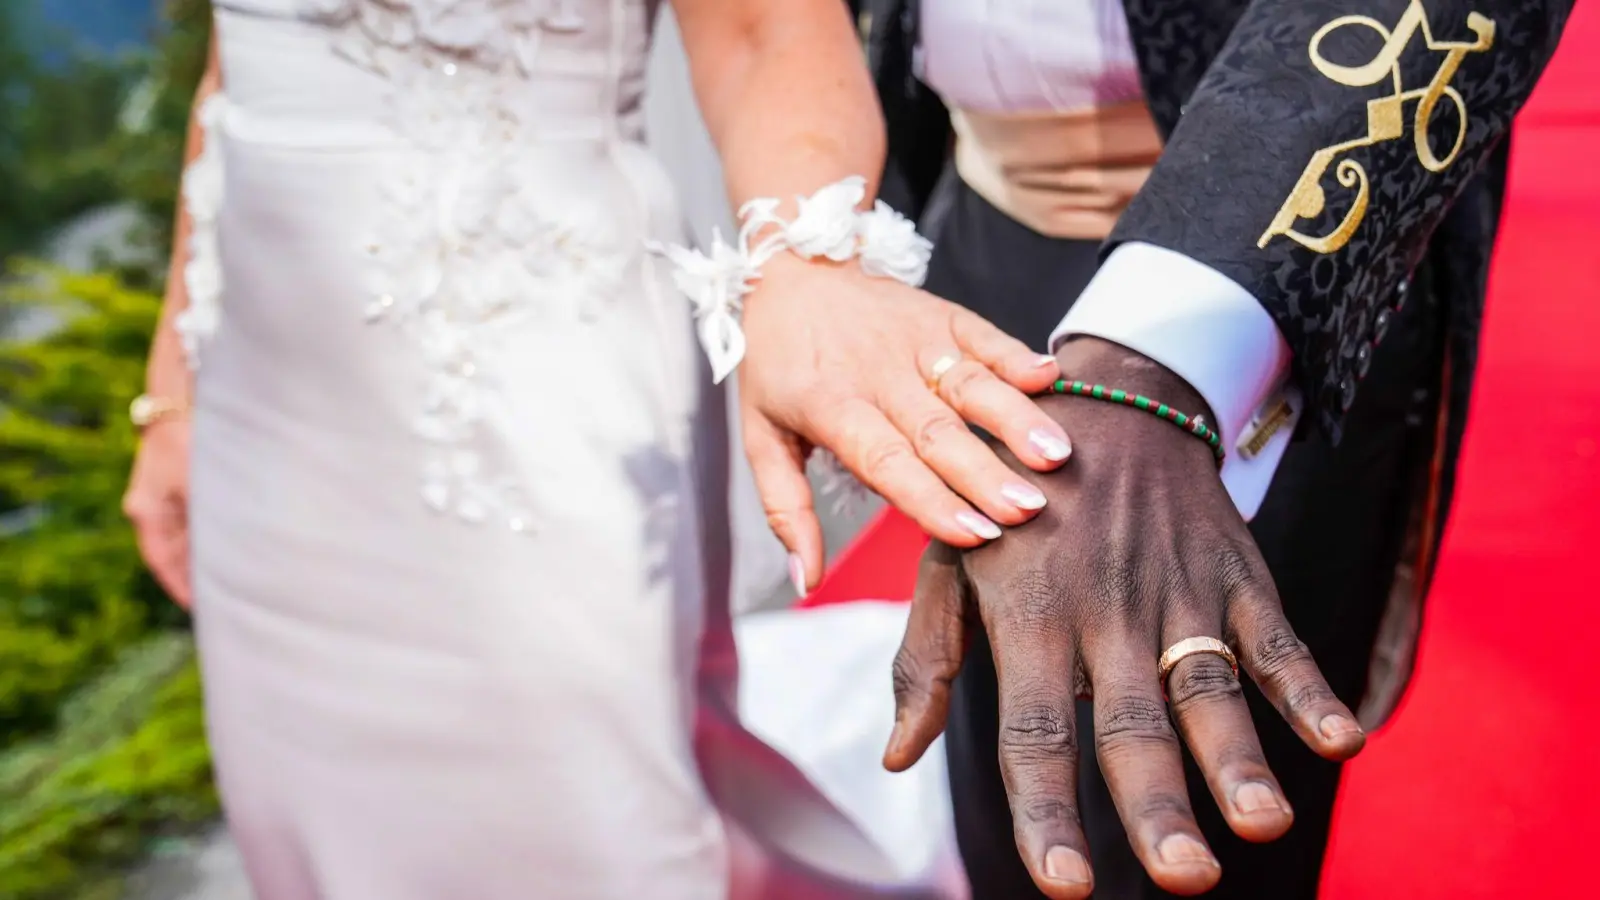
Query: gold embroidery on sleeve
{"points": [[1385, 119]]}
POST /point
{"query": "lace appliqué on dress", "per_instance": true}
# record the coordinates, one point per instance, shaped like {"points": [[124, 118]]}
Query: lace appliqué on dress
{"points": [[466, 249], [203, 190]]}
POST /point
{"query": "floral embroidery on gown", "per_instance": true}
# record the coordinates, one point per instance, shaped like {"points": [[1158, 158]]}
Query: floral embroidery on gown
{"points": [[468, 244]]}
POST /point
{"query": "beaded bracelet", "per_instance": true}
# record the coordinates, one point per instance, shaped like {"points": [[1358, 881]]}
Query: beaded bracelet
{"points": [[1192, 424]]}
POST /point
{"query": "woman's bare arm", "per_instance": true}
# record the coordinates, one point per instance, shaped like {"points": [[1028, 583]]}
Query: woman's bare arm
{"points": [[785, 93], [883, 375], [167, 374]]}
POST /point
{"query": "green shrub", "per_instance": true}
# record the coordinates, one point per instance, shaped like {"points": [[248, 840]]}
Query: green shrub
{"points": [[127, 764], [102, 748], [72, 588], [101, 743]]}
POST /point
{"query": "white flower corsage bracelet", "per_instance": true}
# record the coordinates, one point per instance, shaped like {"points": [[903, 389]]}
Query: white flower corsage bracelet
{"points": [[828, 225]]}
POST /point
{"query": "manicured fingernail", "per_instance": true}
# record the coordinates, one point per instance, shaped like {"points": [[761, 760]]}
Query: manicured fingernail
{"points": [[1023, 496], [1053, 447], [1336, 726], [797, 574], [1181, 850], [1041, 362], [978, 525], [1066, 864], [1253, 797]]}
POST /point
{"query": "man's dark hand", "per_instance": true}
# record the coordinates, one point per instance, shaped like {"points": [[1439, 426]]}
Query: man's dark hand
{"points": [[1138, 548]]}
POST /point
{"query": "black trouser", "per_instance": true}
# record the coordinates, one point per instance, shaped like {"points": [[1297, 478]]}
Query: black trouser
{"points": [[1330, 529]]}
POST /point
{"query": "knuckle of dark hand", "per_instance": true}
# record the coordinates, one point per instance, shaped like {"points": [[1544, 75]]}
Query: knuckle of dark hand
{"points": [[1309, 694], [1164, 805], [944, 661], [1236, 570], [1116, 584], [1172, 578], [1239, 757], [1045, 811], [1038, 599], [950, 616], [903, 675], [1203, 682], [1040, 727], [914, 673], [1278, 652], [1132, 720]]}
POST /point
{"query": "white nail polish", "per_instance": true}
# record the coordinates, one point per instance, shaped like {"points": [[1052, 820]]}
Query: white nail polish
{"points": [[797, 574], [1049, 446], [1045, 360], [978, 525], [1023, 496]]}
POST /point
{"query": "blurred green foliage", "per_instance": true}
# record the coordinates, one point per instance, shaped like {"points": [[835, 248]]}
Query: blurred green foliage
{"points": [[150, 150], [102, 749], [80, 130], [128, 764], [59, 111]]}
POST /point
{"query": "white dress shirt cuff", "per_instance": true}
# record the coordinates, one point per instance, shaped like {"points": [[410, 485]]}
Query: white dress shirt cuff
{"points": [[1210, 331]]}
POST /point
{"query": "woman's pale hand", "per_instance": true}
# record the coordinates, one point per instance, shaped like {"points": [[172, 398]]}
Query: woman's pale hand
{"points": [[157, 502], [845, 361]]}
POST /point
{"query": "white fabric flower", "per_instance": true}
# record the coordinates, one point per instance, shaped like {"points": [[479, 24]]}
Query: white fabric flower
{"points": [[519, 222], [328, 11], [710, 281], [525, 50], [523, 14], [202, 180], [195, 325], [826, 223], [203, 188], [494, 286], [715, 284], [723, 341], [469, 244], [891, 246], [760, 211], [392, 28], [460, 25], [202, 275], [476, 195], [436, 485]]}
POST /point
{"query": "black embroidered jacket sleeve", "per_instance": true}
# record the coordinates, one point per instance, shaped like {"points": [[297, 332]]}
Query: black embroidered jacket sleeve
{"points": [[1296, 168], [916, 119]]}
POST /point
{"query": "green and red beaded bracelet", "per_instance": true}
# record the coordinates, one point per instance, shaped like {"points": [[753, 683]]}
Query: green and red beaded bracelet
{"points": [[1192, 424]]}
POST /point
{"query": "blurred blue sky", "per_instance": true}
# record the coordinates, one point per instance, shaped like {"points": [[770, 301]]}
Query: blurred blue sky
{"points": [[108, 25]]}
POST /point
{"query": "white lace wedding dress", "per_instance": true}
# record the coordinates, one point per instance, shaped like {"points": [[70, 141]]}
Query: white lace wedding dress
{"points": [[458, 494]]}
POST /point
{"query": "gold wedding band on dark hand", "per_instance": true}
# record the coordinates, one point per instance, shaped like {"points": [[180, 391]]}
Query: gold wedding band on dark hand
{"points": [[1194, 646]]}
